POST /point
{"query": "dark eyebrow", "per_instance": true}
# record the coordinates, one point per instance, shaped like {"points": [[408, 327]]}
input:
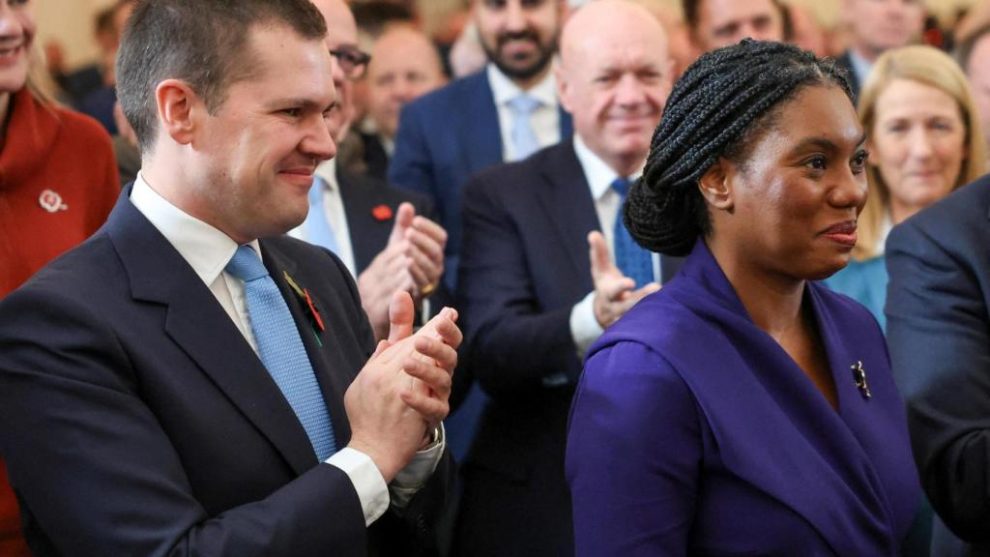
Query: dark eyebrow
{"points": [[810, 143], [306, 104]]}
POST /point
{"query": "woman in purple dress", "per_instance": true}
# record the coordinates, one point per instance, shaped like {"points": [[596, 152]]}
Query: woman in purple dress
{"points": [[745, 409]]}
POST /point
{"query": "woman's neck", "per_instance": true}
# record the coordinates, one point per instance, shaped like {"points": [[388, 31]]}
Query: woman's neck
{"points": [[773, 301]]}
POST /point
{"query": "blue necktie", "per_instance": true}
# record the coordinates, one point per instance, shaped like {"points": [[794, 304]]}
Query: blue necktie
{"points": [[634, 261], [524, 138], [282, 351], [318, 230]]}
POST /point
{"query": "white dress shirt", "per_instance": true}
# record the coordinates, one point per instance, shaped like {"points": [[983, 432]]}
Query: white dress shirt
{"points": [[584, 326], [545, 119], [208, 250], [333, 211], [860, 66]]}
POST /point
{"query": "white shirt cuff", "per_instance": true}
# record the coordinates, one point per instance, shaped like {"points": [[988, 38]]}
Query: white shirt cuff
{"points": [[584, 327], [414, 476], [367, 480]]}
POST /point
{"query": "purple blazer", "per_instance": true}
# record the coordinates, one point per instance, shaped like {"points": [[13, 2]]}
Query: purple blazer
{"points": [[694, 433]]}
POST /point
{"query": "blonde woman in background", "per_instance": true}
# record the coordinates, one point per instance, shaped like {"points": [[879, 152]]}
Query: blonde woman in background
{"points": [[925, 141]]}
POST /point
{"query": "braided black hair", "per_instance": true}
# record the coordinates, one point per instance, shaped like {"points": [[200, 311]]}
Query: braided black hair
{"points": [[717, 109]]}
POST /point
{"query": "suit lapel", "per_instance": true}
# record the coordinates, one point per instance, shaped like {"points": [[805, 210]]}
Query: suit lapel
{"points": [[566, 200], [368, 235], [481, 136], [197, 323], [319, 344]]}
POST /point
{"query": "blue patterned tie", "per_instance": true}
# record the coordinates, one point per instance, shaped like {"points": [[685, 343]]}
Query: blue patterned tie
{"points": [[634, 261], [281, 349], [524, 138], [318, 230]]}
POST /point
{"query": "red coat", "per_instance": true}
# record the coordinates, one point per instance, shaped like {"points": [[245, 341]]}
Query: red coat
{"points": [[58, 183]]}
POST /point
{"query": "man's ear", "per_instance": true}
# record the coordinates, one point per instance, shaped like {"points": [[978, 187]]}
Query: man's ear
{"points": [[716, 187], [178, 109]]}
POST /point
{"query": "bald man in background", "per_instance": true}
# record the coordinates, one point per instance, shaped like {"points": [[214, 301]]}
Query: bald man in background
{"points": [[532, 297], [404, 65]]}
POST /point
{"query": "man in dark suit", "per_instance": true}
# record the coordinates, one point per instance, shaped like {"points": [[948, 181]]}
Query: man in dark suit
{"points": [[383, 235], [502, 113], [476, 122], [876, 26], [176, 385], [938, 334], [532, 297]]}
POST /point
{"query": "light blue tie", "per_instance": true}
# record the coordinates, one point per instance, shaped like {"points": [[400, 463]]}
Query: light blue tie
{"points": [[634, 261], [524, 138], [318, 230], [282, 351]]}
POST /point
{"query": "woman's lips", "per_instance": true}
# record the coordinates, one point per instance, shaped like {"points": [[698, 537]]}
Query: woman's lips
{"points": [[843, 233]]}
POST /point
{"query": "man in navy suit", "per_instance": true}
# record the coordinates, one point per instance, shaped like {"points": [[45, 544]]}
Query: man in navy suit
{"points": [[502, 113], [938, 333], [876, 26], [538, 283], [190, 381], [383, 235]]}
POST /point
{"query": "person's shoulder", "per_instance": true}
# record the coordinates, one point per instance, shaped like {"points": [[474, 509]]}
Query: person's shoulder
{"points": [[440, 99], [963, 214], [519, 175], [85, 272], [659, 321]]}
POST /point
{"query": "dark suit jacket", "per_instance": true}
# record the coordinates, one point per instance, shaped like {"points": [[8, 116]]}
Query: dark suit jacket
{"points": [[524, 265], [845, 62], [361, 196], [443, 138], [368, 230], [136, 419], [938, 331]]}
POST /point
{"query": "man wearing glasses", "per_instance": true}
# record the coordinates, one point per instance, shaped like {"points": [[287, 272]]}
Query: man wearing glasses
{"points": [[379, 232]]}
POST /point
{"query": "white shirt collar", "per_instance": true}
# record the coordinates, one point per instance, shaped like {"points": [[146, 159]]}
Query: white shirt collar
{"points": [[598, 173], [328, 171], [205, 248], [860, 66], [504, 90]]}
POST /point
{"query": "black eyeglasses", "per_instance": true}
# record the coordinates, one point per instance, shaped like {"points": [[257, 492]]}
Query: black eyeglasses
{"points": [[353, 61]]}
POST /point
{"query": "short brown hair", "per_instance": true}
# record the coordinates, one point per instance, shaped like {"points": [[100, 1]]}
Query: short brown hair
{"points": [[201, 42]]}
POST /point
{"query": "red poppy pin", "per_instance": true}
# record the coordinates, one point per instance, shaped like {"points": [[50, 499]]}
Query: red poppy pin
{"points": [[307, 301], [382, 212]]}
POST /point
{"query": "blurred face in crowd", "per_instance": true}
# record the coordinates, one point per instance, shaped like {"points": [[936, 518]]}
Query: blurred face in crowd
{"points": [[879, 25], [256, 154], [978, 72], [341, 35], [918, 144], [614, 79], [795, 198], [17, 29], [726, 22], [404, 65], [519, 36]]}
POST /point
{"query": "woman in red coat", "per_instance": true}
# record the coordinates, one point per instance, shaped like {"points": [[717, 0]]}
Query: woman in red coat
{"points": [[58, 182]]}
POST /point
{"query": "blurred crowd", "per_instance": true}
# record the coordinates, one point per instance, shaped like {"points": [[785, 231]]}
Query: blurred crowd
{"points": [[497, 121]]}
